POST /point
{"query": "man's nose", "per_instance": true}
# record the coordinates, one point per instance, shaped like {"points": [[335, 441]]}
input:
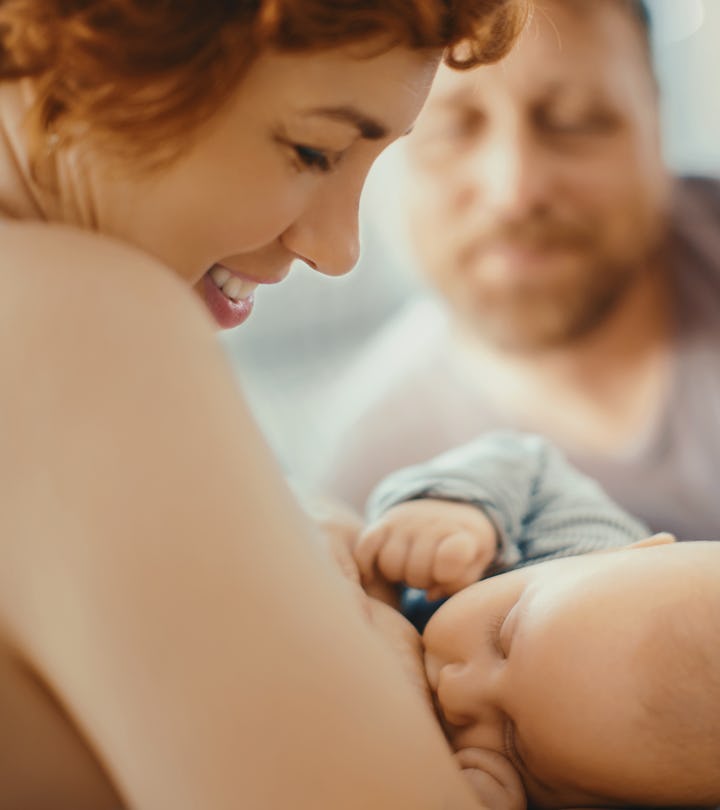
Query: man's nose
{"points": [[510, 174], [325, 234]]}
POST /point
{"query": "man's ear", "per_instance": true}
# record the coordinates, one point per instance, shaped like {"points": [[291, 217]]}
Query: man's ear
{"points": [[660, 539]]}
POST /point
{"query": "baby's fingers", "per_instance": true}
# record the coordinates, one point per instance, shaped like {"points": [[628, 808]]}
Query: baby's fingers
{"points": [[420, 561], [392, 556], [454, 555], [461, 559], [367, 548]]}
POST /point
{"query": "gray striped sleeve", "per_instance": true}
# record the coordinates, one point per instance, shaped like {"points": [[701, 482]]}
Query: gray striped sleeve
{"points": [[541, 506]]}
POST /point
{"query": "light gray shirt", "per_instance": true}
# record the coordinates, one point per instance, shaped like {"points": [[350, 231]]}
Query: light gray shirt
{"points": [[409, 399], [540, 505]]}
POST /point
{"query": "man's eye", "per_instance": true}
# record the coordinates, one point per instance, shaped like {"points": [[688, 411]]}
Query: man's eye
{"points": [[313, 159], [448, 136], [590, 124]]}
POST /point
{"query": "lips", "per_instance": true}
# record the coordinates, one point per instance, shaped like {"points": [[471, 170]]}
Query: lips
{"points": [[230, 295], [236, 288], [226, 312]]}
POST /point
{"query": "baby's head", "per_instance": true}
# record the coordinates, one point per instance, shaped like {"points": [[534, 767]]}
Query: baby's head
{"points": [[598, 676]]}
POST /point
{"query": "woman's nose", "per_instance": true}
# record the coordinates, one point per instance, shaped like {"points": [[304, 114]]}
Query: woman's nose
{"points": [[325, 235], [510, 176]]}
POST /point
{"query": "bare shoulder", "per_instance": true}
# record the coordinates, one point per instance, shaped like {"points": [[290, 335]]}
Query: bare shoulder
{"points": [[111, 373], [104, 355], [110, 367], [80, 315], [149, 556], [64, 246], [95, 334], [53, 274]]}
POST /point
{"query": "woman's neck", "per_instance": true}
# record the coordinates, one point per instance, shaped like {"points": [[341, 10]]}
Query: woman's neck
{"points": [[65, 200]]}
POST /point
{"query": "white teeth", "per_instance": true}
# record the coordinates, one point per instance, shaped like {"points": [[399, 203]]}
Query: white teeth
{"points": [[220, 275], [235, 288]]}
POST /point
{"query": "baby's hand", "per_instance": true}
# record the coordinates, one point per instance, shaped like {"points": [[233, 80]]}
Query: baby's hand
{"points": [[493, 778], [441, 546]]}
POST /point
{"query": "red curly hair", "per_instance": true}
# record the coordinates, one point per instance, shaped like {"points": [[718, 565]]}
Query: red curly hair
{"points": [[141, 74]]}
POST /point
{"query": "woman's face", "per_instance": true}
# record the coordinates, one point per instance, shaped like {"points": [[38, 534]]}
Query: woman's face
{"points": [[276, 175]]}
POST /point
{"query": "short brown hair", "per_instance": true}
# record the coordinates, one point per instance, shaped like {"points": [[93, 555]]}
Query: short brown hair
{"points": [[141, 74]]}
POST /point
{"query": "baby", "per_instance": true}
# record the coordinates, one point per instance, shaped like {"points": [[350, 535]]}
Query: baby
{"points": [[578, 682], [502, 502], [589, 681]]}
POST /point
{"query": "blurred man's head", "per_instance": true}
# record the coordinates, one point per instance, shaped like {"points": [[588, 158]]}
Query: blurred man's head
{"points": [[537, 190]]}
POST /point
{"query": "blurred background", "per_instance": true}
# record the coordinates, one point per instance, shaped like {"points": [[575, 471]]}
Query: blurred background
{"points": [[310, 328]]}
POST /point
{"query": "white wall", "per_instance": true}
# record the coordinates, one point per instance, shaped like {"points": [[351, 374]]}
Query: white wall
{"points": [[688, 65]]}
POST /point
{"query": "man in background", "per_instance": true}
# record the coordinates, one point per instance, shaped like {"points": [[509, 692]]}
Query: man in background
{"points": [[579, 284]]}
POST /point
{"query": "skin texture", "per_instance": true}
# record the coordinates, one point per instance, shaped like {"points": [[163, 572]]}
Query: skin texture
{"points": [[404, 642], [563, 673], [298, 211], [268, 180], [538, 191], [436, 545], [155, 651]]}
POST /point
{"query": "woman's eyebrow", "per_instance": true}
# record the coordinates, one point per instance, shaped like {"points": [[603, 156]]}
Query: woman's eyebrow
{"points": [[369, 128]]}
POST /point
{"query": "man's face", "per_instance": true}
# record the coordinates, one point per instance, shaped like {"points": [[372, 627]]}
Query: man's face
{"points": [[537, 189], [571, 670]]}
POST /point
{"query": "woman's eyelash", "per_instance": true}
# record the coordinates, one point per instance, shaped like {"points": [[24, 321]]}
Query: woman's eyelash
{"points": [[305, 157], [314, 159], [494, 628]]}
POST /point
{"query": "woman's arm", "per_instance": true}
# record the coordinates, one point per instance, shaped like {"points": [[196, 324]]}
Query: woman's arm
{"points": [[158, 574]]}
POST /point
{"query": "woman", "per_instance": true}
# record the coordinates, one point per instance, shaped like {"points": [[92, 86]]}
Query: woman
{"points": [[169, 635]]}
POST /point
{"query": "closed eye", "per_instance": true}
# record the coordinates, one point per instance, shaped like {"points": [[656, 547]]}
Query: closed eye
{"points": [[313, 159], [585, 123], [494, 630], [305, 157]]}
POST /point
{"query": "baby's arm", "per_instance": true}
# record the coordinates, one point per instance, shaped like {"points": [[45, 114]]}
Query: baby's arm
{"points": [[542, 507], [432, 544]]}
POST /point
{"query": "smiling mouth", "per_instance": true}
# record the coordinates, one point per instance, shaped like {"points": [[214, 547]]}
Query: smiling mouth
{"points": [[233, 287]]}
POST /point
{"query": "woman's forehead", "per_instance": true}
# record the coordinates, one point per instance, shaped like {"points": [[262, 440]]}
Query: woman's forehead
{"points": [[384, 87]]}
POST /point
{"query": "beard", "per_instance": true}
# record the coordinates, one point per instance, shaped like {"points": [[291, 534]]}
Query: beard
{"points": [[575, 290], [529, 315]]}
